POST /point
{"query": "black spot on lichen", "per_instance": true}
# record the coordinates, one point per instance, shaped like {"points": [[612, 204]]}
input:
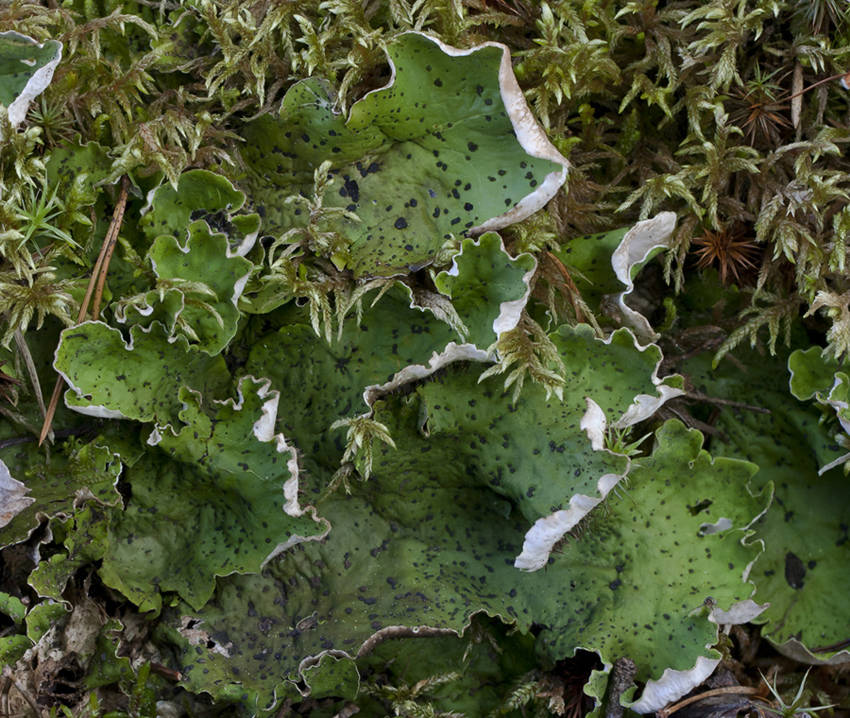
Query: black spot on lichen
{"points": [[371, 169], [795, 571], [350, 189], [401, 223]]}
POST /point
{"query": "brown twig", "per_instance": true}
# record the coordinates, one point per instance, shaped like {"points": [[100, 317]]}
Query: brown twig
{"points": [[568, 281], [284, 709], [62, 434], [109, 247], [7, 674], [725, 402], [623, 674], [98, 277], [832, 647], [840, 76], [739, 690], [166, 672]]}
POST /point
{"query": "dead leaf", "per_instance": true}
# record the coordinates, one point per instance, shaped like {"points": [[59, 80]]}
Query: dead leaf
{"points": [[12, 496]]}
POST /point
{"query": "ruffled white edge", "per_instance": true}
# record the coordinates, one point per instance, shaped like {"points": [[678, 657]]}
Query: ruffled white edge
{"points": [[263, 430], [96, 410], [101, 412], [414, 372], [243, 248], [529, 134], [674, 684], [839, 406], [541, 538], [796, 650], [37, 83], [635, 247], [510, 312]]}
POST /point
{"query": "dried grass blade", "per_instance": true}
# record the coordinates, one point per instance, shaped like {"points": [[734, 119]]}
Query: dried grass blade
{"points": [[30, 364], [98, 277]]}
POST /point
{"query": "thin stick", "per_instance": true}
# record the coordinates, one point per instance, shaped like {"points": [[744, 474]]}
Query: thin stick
{"points": [[32, 704], [28, 699], [568, 280], [109, 246], [834, 647], [739, 690], [725, 402], [283, 711], [166, 672], [98, 277], [62, 434], [815, 84]]}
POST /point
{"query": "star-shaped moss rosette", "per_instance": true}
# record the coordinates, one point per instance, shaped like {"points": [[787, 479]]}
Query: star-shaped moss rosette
{"points": [[447, 147], [26, 69]]}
